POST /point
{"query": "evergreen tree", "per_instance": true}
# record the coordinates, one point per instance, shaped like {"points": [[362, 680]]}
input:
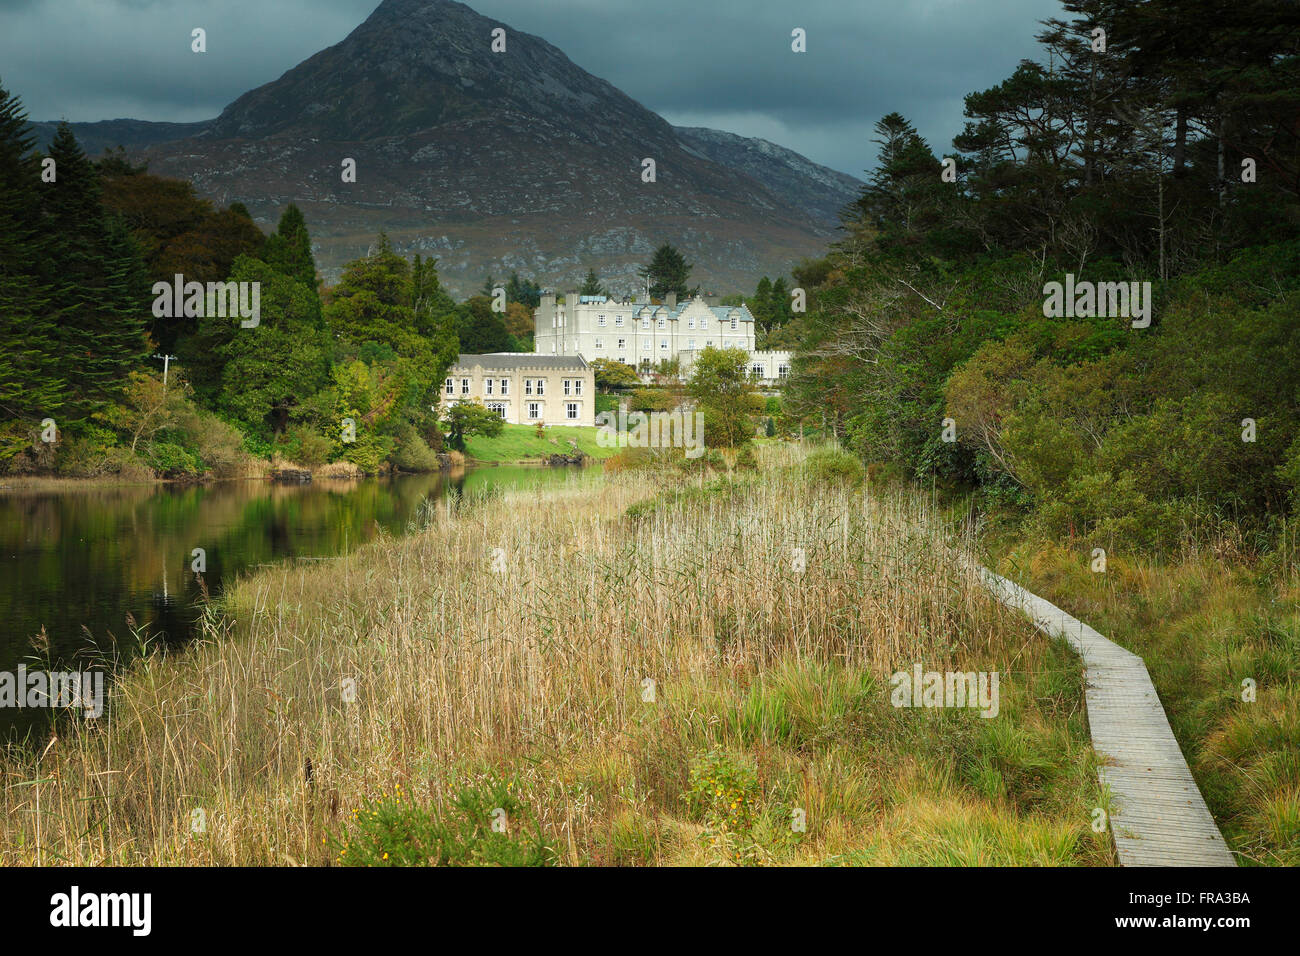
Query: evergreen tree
{"points": [[761, 306], [288, 249], [99, 290], [668, 271], [32, 369], [591, 285], [524, 291]]}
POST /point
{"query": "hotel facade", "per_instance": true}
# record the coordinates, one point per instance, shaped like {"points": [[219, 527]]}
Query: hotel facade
{"points": [[524, 388], [641, 334]]}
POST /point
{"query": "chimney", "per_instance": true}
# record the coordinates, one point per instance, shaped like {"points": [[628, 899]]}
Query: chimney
{"points": [[671, 300]]}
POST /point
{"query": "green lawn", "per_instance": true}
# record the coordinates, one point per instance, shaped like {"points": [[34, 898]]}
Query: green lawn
{"points": [[520, 443]]}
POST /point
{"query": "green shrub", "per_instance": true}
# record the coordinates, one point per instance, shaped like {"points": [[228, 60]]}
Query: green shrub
{"points": [[125, 466], [394, 831], [170, 460], [723, 794], [83, 455], [220, 446], [650, 400], [833, 466], [1111, 513], [413, 452], [306, 445], [746, 460]]}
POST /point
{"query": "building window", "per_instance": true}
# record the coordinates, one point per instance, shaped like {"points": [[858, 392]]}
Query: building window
{"points": [[541, 386], [487, 386], [782, 371], [464, 386], [757, 370], [663, 324], [733, 323], [600, 320], [450, 386], [709, 344], [577, 386], [618, 321], [505, 387], [571, 410], [498, 408], [534, 410], [690, 323], [622, 344], [645, 322], [645, 343], [528, 386], [566, 386], [690, 343], [663, 344]]}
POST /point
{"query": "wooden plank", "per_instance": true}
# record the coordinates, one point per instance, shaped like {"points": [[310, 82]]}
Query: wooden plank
{"points": [[1158, 816]]}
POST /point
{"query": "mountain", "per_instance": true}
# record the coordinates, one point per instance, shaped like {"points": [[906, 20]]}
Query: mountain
{"points": [[797, 179], [492, 162]]}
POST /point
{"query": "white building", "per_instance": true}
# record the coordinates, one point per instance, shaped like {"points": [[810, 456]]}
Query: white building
{"points": [[641, 334], [525, 388]]}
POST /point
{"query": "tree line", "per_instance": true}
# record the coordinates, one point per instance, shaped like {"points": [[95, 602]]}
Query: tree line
{"points": [[1152, 142]]}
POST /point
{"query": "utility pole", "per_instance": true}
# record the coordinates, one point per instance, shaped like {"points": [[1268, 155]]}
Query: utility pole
{"points": [[167, 361]]}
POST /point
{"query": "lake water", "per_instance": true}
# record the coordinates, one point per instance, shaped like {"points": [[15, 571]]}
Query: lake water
{"points": [[89, 571]]}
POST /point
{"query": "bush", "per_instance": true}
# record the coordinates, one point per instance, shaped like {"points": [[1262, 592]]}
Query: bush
{"points": [[650, 400], [170, 460], [746, 460], [723, 794], [393, 831], [307, 446], [221, 447], [126, 466], [83, 455], [413, 452], [833, 466], [1111, 513]]}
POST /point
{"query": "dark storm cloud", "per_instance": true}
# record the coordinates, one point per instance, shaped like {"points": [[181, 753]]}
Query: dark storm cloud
{"points": [[722, 64]]}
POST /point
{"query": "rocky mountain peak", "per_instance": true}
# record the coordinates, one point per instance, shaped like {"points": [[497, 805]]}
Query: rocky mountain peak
{"points": [[415, 64]]}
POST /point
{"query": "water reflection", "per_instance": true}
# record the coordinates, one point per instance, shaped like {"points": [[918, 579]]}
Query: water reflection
{"points": [[86, 574]]}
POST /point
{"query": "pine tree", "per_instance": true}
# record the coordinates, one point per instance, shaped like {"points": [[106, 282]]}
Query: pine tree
{"points": [[591, 285], [98, 291], [32, 385], [668, 271], [288, 249]]}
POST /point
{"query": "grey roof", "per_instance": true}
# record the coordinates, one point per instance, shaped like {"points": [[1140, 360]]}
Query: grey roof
{"points": [[509, 361]]}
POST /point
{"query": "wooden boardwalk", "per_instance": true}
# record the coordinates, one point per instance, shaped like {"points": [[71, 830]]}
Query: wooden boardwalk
{"points": [[1158, 817]]}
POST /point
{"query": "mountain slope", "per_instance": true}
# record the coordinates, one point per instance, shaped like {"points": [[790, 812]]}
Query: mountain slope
{"points": [[823, 191], [494, 161]]}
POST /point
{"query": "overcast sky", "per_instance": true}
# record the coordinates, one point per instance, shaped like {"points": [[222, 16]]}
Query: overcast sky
{"points": [[725, 64]]}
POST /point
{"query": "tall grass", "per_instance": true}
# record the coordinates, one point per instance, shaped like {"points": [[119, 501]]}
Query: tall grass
{"points": [[1205, 622], [532, 679]]}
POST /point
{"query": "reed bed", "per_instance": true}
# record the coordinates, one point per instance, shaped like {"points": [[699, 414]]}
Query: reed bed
{"points": [[608, 654]]}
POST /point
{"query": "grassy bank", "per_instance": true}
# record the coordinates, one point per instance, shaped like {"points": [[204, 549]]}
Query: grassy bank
{"points": [[514, 685], [1204, 625], [521, 443]]}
